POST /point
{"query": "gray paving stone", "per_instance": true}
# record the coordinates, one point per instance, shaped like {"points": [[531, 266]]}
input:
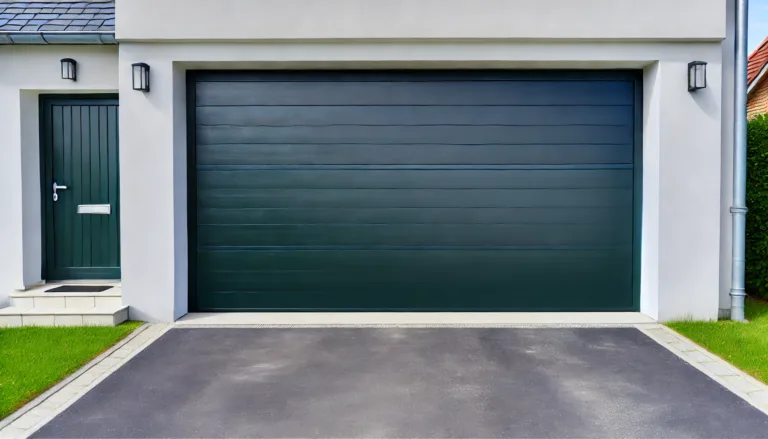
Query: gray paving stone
{"points": [[698, 357], [719, 368], [26, 421], [12, 433]]}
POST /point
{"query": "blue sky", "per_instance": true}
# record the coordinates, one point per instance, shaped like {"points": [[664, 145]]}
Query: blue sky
{"points": [[758, 22]]}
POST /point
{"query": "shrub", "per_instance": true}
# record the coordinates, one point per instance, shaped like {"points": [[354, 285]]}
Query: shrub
{"points": [[757, 202]]}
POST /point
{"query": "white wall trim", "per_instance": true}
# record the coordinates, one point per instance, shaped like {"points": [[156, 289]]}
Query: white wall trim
{"points": [[681, 199]]}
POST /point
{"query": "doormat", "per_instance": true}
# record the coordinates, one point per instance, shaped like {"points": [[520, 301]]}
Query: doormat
{"points": [[79, 289]]}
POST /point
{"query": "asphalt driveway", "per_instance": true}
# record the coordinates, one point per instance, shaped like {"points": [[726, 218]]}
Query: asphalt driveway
{"points": [[447, 382]]}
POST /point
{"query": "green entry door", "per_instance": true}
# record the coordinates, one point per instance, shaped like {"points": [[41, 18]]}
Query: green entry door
{"points": [[80, 156]]}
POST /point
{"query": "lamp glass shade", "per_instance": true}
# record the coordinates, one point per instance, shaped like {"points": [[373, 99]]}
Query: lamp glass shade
{"points": [[697, 75], [69, 69], [140, 76]]}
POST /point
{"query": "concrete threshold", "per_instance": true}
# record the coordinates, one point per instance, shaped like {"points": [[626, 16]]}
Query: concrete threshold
{"points": [[480, 319]]}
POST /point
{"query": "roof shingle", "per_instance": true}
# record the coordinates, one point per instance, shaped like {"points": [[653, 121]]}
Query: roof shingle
{"points": [[60, 16]]}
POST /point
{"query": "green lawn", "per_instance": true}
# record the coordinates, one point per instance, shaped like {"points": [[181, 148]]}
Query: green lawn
{"points": [[745, 345], [32, 359]]}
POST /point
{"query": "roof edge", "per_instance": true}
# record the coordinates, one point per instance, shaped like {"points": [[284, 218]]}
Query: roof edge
{"points": [[758, 48], [757, 79], [62, 37]]}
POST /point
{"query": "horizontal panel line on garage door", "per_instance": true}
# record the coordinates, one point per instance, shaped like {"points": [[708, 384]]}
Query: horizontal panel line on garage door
{"points": [[467, 223], [411, 75], [422, 198], [410, 154], [411, 167], [315, 279], [366, 78], [259, 125], [412, 215], [604, 233], [409, 179], [414, 198], [416, 134], [409, 93], [333, 248], [333, 259], [199, 106], [410, 115]]}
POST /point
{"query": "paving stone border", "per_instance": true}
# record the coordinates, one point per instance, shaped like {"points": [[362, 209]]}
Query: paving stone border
{"points": [[725, 374], [56, 387], [45, 407]]}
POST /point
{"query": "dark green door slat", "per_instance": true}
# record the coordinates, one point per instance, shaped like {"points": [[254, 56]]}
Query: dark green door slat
{"points": [[114, 231], [75, 193], [79, 153], [94, 186], [103, 186], [85, 178], [58, 171], [413, 190]]}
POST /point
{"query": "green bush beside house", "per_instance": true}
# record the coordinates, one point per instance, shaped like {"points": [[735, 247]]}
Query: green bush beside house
{"points": [[757, 202]]}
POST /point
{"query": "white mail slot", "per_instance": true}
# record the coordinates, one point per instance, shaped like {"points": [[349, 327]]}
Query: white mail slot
{"points": [[94, 209]]}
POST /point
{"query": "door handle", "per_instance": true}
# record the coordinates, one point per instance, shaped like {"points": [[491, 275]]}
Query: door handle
{"points": [[56, 187]]}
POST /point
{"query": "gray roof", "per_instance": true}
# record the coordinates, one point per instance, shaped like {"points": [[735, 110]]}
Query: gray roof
{"points": [[57, 16]]}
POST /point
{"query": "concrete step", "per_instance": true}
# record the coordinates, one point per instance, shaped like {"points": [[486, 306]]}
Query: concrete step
{"points": [[38, 297], [91, 316]]}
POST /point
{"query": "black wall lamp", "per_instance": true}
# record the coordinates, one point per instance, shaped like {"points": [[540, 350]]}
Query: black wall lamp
{"points": [[697, 75], [69, 69], [140, 76]]}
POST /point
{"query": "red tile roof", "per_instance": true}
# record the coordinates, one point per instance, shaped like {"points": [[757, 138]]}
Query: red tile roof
{"points": [[757, 61]]}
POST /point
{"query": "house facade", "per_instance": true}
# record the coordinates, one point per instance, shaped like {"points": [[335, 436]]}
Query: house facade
{"points": [[757, 87], [484, 155]]}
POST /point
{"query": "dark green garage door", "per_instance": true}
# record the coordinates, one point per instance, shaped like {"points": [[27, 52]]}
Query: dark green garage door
{"points": [[412, 190]]}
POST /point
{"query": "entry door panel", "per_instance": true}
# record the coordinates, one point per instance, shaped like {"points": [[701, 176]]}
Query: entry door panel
{"points": [[80, 151]]}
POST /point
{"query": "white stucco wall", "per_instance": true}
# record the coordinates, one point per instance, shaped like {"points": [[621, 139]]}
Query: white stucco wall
{"points": [[681, 159], [25, 73], [686, 137], [318, 20]]}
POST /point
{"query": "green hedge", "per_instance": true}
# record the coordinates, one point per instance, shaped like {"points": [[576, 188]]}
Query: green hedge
{"points": [[757, 202]]}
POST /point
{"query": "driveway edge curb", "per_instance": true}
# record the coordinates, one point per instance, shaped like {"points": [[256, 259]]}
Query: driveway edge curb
{"points": [[39, 399], [45, 407], [724, 373]]}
